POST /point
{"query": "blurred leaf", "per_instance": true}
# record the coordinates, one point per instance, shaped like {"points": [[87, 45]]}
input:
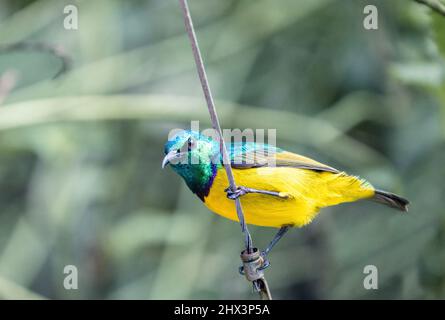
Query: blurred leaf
{"points": [[12, 291]]}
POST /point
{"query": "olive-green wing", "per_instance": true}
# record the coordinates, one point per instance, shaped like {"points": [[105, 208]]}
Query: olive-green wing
{"points": [[264, 156]]}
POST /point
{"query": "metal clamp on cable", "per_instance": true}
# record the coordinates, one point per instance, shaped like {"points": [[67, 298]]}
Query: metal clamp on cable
{"points": [[252, 263], [253, 270]]}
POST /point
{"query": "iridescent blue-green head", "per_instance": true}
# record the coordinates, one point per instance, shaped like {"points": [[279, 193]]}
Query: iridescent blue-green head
{"points": [[195, 158]]}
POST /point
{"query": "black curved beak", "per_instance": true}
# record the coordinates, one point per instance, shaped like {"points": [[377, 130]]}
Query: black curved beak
{"points": [[169, 157]]}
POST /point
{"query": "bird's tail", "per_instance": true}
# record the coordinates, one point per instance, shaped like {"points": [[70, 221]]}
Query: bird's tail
{"points": [[390, 199]]}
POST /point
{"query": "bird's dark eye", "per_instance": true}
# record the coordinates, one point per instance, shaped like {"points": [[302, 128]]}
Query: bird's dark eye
{"points": [[191, 144]]}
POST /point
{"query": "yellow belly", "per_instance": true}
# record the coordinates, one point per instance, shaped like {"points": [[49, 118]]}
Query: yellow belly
{"points": [[307, 191]]}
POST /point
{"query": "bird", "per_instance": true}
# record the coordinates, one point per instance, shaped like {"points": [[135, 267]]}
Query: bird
{"points": [[279, 188]]}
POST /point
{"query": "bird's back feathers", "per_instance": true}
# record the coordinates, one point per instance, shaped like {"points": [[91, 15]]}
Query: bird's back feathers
{"points": [[255, 155]]}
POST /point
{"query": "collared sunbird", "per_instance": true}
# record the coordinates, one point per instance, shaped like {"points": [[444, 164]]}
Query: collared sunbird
{"points": [[279, 188]]}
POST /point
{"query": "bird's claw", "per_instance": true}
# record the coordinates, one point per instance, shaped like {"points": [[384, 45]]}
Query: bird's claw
{"points": [[266, 262], [241, 270], [233, 195]]}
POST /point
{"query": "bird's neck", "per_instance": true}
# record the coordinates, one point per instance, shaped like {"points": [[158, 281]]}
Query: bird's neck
{"points": [[200, 179]]}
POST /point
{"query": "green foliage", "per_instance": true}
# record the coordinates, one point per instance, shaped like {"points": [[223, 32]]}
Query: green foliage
{"points": [[80, 176]]}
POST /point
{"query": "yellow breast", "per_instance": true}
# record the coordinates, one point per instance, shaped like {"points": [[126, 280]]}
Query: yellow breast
{"points": [[307, 191]]}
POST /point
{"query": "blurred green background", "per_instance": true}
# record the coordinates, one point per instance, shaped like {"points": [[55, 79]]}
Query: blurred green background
{"points": [[80, 176]]}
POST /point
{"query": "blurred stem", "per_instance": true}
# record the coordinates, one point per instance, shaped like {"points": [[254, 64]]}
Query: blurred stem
{"points": [[441, 95], [435, 5], [44, 47], [10, 290], [8, 81], [296, 128]]}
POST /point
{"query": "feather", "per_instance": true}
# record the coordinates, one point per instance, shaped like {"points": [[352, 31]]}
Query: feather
{"points": [[247, 155]]}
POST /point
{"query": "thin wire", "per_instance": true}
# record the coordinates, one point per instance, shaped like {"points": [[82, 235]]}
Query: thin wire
{"points": [[260, 284], [214, 117]]}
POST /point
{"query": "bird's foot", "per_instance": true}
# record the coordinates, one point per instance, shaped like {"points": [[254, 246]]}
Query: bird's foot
{"points": [[240, 191], [266, 262], [233, 195]]}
